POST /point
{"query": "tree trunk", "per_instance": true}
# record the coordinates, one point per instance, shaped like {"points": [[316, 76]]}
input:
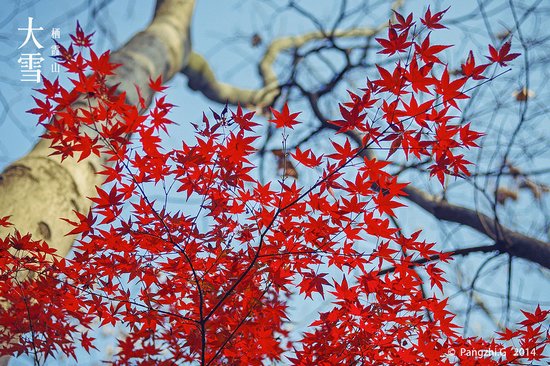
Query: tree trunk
{"points": [[38, 189]]}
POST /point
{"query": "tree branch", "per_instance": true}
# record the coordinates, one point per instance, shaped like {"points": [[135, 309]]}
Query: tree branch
{"points": [[59, 188], [201, 77], [459, 252], [506, 240]]}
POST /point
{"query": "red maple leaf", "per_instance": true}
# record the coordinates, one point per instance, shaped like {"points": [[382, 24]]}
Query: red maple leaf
{"points": [[44, 109], [395, 43], [313, 282], [450, 90], [101, 64], [433, 21], [81, 39], [156, 85], [84, 225], [470, 69], [284, 118], [503, 55], [4, 221], [402, 22], [427, 52]]}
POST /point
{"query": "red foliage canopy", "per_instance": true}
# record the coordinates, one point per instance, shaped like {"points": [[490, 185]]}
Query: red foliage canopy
{"points": [[219, 295]]}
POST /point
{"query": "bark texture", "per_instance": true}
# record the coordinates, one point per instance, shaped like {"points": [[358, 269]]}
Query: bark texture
{"points": [[38, 189]]}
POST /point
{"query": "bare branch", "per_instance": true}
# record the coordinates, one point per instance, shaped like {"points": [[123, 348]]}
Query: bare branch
{"points": [[507, 240], [202, 78]]}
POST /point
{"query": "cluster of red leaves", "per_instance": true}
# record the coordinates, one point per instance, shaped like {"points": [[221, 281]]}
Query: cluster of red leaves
{"points": [[419, 95], [37, 315], [218, 294]]}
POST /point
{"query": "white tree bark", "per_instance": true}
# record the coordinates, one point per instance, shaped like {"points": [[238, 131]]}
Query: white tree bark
{"points": [[37, 190]]}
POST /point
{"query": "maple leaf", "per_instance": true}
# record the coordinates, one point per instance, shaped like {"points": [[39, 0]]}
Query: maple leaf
{"points": [[86, 145], [402, 22], [351, 119], [313, 282], [4, 221], [307, 157], [418, 111], [393, 82], [343, 153], [432, 21], [468, 136], [470, 69], [436, 276], [427, 52], [50, 89], [243, 120], [112, 173], [418, 77], [284, 118], [156, 85], [392, 114], [384, 252], [508, 334], [532, 318], [344, 292], [386, 204], [81, 39], [101, 64], [450, 90], [113, 198], [150, 141], [44, 110], [503, 55], [396, 43], [66, 55], [364, 102], [87, 342], [84, 225]]}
